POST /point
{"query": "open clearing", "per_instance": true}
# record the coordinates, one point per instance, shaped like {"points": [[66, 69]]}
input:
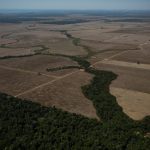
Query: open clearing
{"points": [[39, 63], [14, 82], [142, 56], [135, 104], [98, 46], [17, 51], [126, 64], [65, 94]]}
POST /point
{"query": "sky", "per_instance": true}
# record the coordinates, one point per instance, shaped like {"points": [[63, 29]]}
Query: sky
{"points": [[76, 4]]}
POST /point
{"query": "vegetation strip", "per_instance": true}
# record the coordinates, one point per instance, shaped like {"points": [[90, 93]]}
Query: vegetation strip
{"points": [[62, 68]]}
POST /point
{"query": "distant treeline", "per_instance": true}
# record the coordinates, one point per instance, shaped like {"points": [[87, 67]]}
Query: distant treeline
{"points": [[15, 19], [63, 22], [49, 17], [19, 19]]}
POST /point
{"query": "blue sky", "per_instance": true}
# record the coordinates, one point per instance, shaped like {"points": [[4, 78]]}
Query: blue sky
{"points": [[75, 4]]}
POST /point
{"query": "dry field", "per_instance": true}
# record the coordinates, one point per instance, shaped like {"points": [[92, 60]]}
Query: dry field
{"points": [[65, 47], [97, 46], [143, 56], [17, 51], [65, 94], [26, 38], [16, 81], [116, 46], [104, 55], [39, 64], [135, 104]]}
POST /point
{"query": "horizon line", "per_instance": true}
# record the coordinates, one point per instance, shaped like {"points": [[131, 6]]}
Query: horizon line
{"points": [[69, 9]]}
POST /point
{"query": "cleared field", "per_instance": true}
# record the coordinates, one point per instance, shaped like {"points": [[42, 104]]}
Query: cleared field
{"points": [[39, 63], [130, 38], [55, 41], [40, 34], [135, 104], [65, 47], [13, 82], [7, 41], [126, 64], [142, 56], [95, 34], [135, 28], [17, 51], [32, 38], [4, 28], [129, 78], [97, 46], [65, 94], [104, 54]]}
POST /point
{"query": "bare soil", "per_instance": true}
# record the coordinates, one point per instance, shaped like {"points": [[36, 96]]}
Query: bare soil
{"points": [[135, 104], [14, 82], [66, 94]]}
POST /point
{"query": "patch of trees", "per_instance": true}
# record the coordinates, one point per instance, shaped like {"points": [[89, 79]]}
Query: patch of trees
{"points": [[75, 41], [82, 62], [62, 68], [19, 56]]}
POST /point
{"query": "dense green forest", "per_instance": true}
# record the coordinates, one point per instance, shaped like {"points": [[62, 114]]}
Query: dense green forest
{"points": [[26, 125]]}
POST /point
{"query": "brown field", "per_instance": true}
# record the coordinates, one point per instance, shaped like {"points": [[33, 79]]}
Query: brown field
{"points": [[143, 56], [135, 104], [55, 41], [97, 46], [17, 51], [65, 94], [65, 47], [14, 82], [104, 55], [39, 63], [127, 64], [115, 46], [129, 78]]}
